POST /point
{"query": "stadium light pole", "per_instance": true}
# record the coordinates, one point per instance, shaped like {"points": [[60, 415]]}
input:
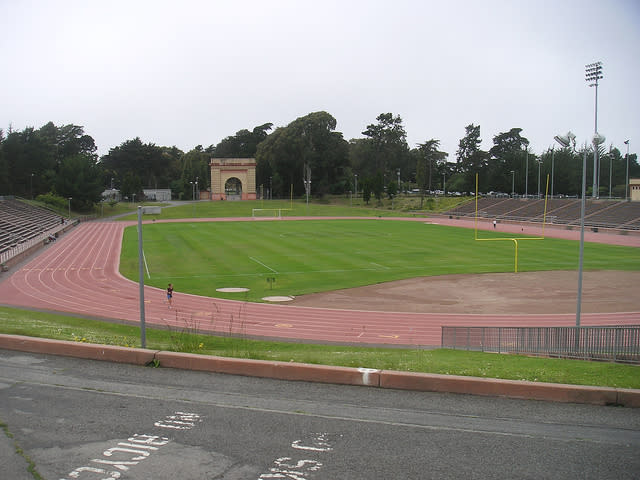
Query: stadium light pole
{"points": [[569, 140], [610, 169], [626, 187], [553, 161], [513, 183], [539, 162], [526, 176], [593, 73]]}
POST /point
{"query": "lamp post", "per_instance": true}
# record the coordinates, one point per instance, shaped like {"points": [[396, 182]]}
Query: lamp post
{"points": [[32, 186], [539, 162], [610, 168], [196, 189], [356, 175], [398, 180], [566, 141], [553, 160], [626, 187], [526, 176], [513, 183], [593, 73], [69, 208]]}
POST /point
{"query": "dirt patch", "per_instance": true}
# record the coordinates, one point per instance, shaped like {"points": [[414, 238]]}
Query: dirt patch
{"points": [[495, 293]]}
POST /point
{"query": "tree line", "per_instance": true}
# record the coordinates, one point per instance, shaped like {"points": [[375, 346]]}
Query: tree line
{"points": [[306, 153]]}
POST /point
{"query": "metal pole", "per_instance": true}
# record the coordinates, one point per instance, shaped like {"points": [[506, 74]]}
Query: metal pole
{"points": [[553, 159], [538, 178], [596, 167], [513, 183], [626, 187], [526, 182], [582, 209], [610, 170], [143, 335]]}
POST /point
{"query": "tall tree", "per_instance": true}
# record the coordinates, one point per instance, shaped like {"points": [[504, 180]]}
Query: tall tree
{"points": [[429, 161], [152, 166], [471, 159], [506, 156], [389, 142], [307, 140], [80, 179], [244, 143]]}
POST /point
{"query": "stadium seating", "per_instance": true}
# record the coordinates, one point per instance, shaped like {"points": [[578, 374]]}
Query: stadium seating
{"points": [[598, 213], [20, 222]]}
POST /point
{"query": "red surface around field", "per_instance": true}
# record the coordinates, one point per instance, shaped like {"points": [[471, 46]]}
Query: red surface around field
{"points": [[79, 274]]}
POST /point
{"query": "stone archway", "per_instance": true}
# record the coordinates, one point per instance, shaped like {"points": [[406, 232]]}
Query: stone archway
{"points": [[233, 189], [233, 178]]}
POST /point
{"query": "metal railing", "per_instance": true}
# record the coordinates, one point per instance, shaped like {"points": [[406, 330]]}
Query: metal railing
{"points": [[612, 343], [22, 247]]}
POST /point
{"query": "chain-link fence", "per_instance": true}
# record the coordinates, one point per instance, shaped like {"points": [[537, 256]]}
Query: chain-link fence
{"points": [[611, 343]]}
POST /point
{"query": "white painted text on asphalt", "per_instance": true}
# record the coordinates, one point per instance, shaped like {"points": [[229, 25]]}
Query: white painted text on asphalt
{"points": [[119, 459]]}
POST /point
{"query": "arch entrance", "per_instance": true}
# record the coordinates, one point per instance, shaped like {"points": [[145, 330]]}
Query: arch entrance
{"points": [[233, 189], [233, 178]]}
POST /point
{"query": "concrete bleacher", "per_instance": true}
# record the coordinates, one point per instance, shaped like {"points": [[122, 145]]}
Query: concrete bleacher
{"points": [[614, 214], [21, 222]]}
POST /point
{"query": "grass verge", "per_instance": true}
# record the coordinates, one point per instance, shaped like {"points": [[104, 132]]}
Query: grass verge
{"points": [[441, 361]]}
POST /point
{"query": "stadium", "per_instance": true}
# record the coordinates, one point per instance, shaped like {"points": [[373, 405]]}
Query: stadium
{"points": [[390, 302]]}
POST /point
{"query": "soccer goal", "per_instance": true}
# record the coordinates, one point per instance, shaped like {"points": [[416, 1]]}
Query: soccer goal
{"points": [[268, 212]]}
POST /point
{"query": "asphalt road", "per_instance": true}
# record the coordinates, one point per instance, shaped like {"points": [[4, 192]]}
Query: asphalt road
{"points": [[92, 420]]}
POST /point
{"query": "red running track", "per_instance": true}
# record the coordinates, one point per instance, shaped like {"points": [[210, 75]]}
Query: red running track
{"points": [[79, 274]]}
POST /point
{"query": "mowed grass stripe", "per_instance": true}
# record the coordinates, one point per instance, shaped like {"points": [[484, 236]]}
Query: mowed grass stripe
{"points": [[319, 255]]}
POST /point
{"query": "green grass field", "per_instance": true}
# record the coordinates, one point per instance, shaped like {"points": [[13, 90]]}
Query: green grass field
{"points": [[320, 255], [408, 205]]}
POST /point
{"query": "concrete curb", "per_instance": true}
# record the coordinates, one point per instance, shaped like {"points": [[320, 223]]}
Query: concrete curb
{"points": [[109, 353], [327, 374]]}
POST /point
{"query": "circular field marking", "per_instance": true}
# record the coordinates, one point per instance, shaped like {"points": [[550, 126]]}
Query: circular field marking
{"points": [[277, 299], [232, 289]]}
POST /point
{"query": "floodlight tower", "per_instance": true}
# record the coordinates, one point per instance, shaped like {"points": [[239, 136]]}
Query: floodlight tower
{"points": [[569, 141], [626, 187], [593, 73]]}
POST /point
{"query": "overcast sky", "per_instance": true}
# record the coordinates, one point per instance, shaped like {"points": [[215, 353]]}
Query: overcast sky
{"points": [[186, 73]]}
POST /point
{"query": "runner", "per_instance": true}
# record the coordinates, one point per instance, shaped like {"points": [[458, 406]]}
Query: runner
{"points": [[170, 294]]}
